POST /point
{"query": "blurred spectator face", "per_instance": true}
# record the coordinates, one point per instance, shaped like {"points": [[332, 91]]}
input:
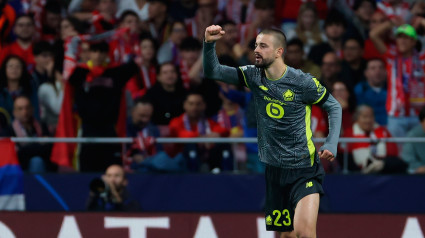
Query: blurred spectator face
{"points": [[24, 28], [141, 114], [232, 34], [147, 50], [340, 92], [67, 29], [131, 22], [167, 75], [377, 18], [98, 57], [115, 176], [89, 5], [375, 72], [294, 56], [334, 31], [85, 52], [352, 51], [206, 10], [194, 106], [330, 65], [53, 20], [22, 110], [418, 8], [365, 11], [366, 119], [14, 69], [157, 9], [107, 6], [190, 57], [307, 19], [405, 44], [265, 17], [43, 59], [178, 33]]}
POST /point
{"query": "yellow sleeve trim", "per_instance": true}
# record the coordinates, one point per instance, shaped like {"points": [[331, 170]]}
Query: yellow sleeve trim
{"points": [[244, 78], [320, 99]]}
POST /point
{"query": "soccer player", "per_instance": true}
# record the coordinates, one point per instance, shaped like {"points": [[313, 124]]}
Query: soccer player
{"points": [[283, 97]]}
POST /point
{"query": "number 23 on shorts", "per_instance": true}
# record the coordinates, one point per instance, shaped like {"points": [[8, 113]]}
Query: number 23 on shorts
{"points": [[286, 218]]}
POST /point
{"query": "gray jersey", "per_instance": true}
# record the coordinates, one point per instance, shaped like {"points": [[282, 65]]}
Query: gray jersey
{"points": [[283, 110], [284, 115]]}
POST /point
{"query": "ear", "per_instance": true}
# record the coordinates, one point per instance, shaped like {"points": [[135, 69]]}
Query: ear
{"points": [[280, 52]]}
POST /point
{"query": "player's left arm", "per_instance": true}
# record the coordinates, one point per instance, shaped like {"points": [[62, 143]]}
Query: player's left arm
{"points": [[315, 93]]}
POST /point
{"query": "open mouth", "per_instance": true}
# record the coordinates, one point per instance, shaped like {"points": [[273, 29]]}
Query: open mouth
{"points": [[258, 57]]}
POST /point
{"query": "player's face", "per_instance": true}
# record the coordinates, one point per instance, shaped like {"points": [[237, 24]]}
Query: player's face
{"points": [[264, 51]]}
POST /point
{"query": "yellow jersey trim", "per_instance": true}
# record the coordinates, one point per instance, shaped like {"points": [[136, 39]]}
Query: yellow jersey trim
{"points": [[244, 78], [309, 133], [284, 72], [323, 95]]}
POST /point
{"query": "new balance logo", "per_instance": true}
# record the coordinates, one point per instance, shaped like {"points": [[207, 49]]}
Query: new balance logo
{"points": [[309, 184]]}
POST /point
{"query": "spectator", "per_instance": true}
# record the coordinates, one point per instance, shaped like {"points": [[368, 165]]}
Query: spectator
{"points": [[51, 21], [169, 51], [229, 44], [345, 97], [141, 7], [373, 91], [102, 19], [138, 85], [399, 10], [264, 18], [294, 57], [370, 51], [7, 20], [414, 153], [24, 30], [98, 97], [406, 77], [159, 23], [16, 81], [167, 96], [373, 157], [287, 10], [353, 64], [307, 29], [144, 155], [193, 123], [33, 157], [191, 74], [330, 69], [123, 47], [50, 91], [110, 192], [206, 15], [239, 11], [335, 27]]}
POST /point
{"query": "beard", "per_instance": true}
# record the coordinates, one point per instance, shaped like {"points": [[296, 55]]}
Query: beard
{"points": [[263, 63], [25, 39]]}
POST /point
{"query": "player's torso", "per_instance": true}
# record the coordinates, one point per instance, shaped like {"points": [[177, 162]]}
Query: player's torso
{"points": [[281, 120]]}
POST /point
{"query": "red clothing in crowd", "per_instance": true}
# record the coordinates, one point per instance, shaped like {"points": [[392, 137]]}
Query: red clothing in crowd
{"points": [[288, 9], [138, 85], [16, 49], [178, 128], [361, 151], [7, 20], [318, 120]]}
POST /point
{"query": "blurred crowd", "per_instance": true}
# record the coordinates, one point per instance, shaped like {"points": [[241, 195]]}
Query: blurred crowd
{"points": [[133, 68]]}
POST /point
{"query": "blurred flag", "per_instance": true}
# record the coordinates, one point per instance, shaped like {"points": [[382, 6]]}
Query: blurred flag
{"points": [[11, 178]]}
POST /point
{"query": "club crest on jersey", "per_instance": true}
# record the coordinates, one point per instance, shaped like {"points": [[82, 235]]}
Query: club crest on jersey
{"points": [[288, 95]]}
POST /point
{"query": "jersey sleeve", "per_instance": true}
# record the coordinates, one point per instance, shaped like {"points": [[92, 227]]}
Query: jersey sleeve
{"points": [[313, 91], [245, 74]]}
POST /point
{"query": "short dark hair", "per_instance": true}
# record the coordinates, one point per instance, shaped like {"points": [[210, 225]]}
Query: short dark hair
{"points": [[100, 46], [30, 16], [357, 39], [142, 100], [53, 7], [297, 42], [335, 17], [127, 13], [190, 44], [358, 3], [42, 47], [422, 114], [279, 35], [159, 67], [194, 92], [376, 59]]}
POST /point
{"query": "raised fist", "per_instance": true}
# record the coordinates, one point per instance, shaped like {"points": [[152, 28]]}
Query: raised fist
{"points": [[213, 33]]}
